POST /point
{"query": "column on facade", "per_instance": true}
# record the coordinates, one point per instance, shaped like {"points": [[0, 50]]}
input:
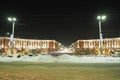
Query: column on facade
{"points": [[83, 44], [118, 43], [23, 44], [90, 44], [78, 44], [106, 43], [87, 44], [47, 44], [37, 44], [44, 44], [0, 43], [114, 43], [111, 43], [18, 43], [40, 44], [31, 44], [54, 44], [94, 44], [28, 43], [34, 44]]}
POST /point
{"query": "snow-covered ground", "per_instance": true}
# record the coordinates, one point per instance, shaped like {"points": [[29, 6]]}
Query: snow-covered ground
{"points": [[61, 58]]}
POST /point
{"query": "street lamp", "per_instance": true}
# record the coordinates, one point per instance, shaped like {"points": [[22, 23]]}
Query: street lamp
{"points": [[12, 19], [100, 18]]}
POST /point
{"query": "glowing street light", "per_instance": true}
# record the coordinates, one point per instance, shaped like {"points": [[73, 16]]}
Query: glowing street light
{"points": [[12, 19], [100, 18]]}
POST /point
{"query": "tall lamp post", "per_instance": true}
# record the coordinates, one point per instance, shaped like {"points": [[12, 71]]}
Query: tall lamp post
{"points": [[100, 18], [12, 19]]}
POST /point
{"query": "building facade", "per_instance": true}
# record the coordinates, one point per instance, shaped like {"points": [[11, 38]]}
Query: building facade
{"points": [[28, 45], [92, 46]]}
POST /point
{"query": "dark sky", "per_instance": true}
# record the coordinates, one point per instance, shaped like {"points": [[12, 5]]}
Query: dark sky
{"points": [[66, 22]]}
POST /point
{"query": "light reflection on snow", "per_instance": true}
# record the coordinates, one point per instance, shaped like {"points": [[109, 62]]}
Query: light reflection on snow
{"points": [[61, 58]]}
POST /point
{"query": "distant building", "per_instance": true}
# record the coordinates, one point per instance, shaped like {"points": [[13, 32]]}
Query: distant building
{"points": [[27, 45], [92, 46]]}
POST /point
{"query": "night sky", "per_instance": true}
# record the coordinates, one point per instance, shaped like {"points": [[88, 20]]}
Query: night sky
{"points": [[65, 22]]}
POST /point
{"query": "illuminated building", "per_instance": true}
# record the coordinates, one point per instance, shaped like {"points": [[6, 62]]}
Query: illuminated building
{"points": [[81, 47], [92, 46], [26, 45]]}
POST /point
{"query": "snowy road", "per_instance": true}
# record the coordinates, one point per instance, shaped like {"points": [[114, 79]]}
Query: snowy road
{"points": [[61, 59]]}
